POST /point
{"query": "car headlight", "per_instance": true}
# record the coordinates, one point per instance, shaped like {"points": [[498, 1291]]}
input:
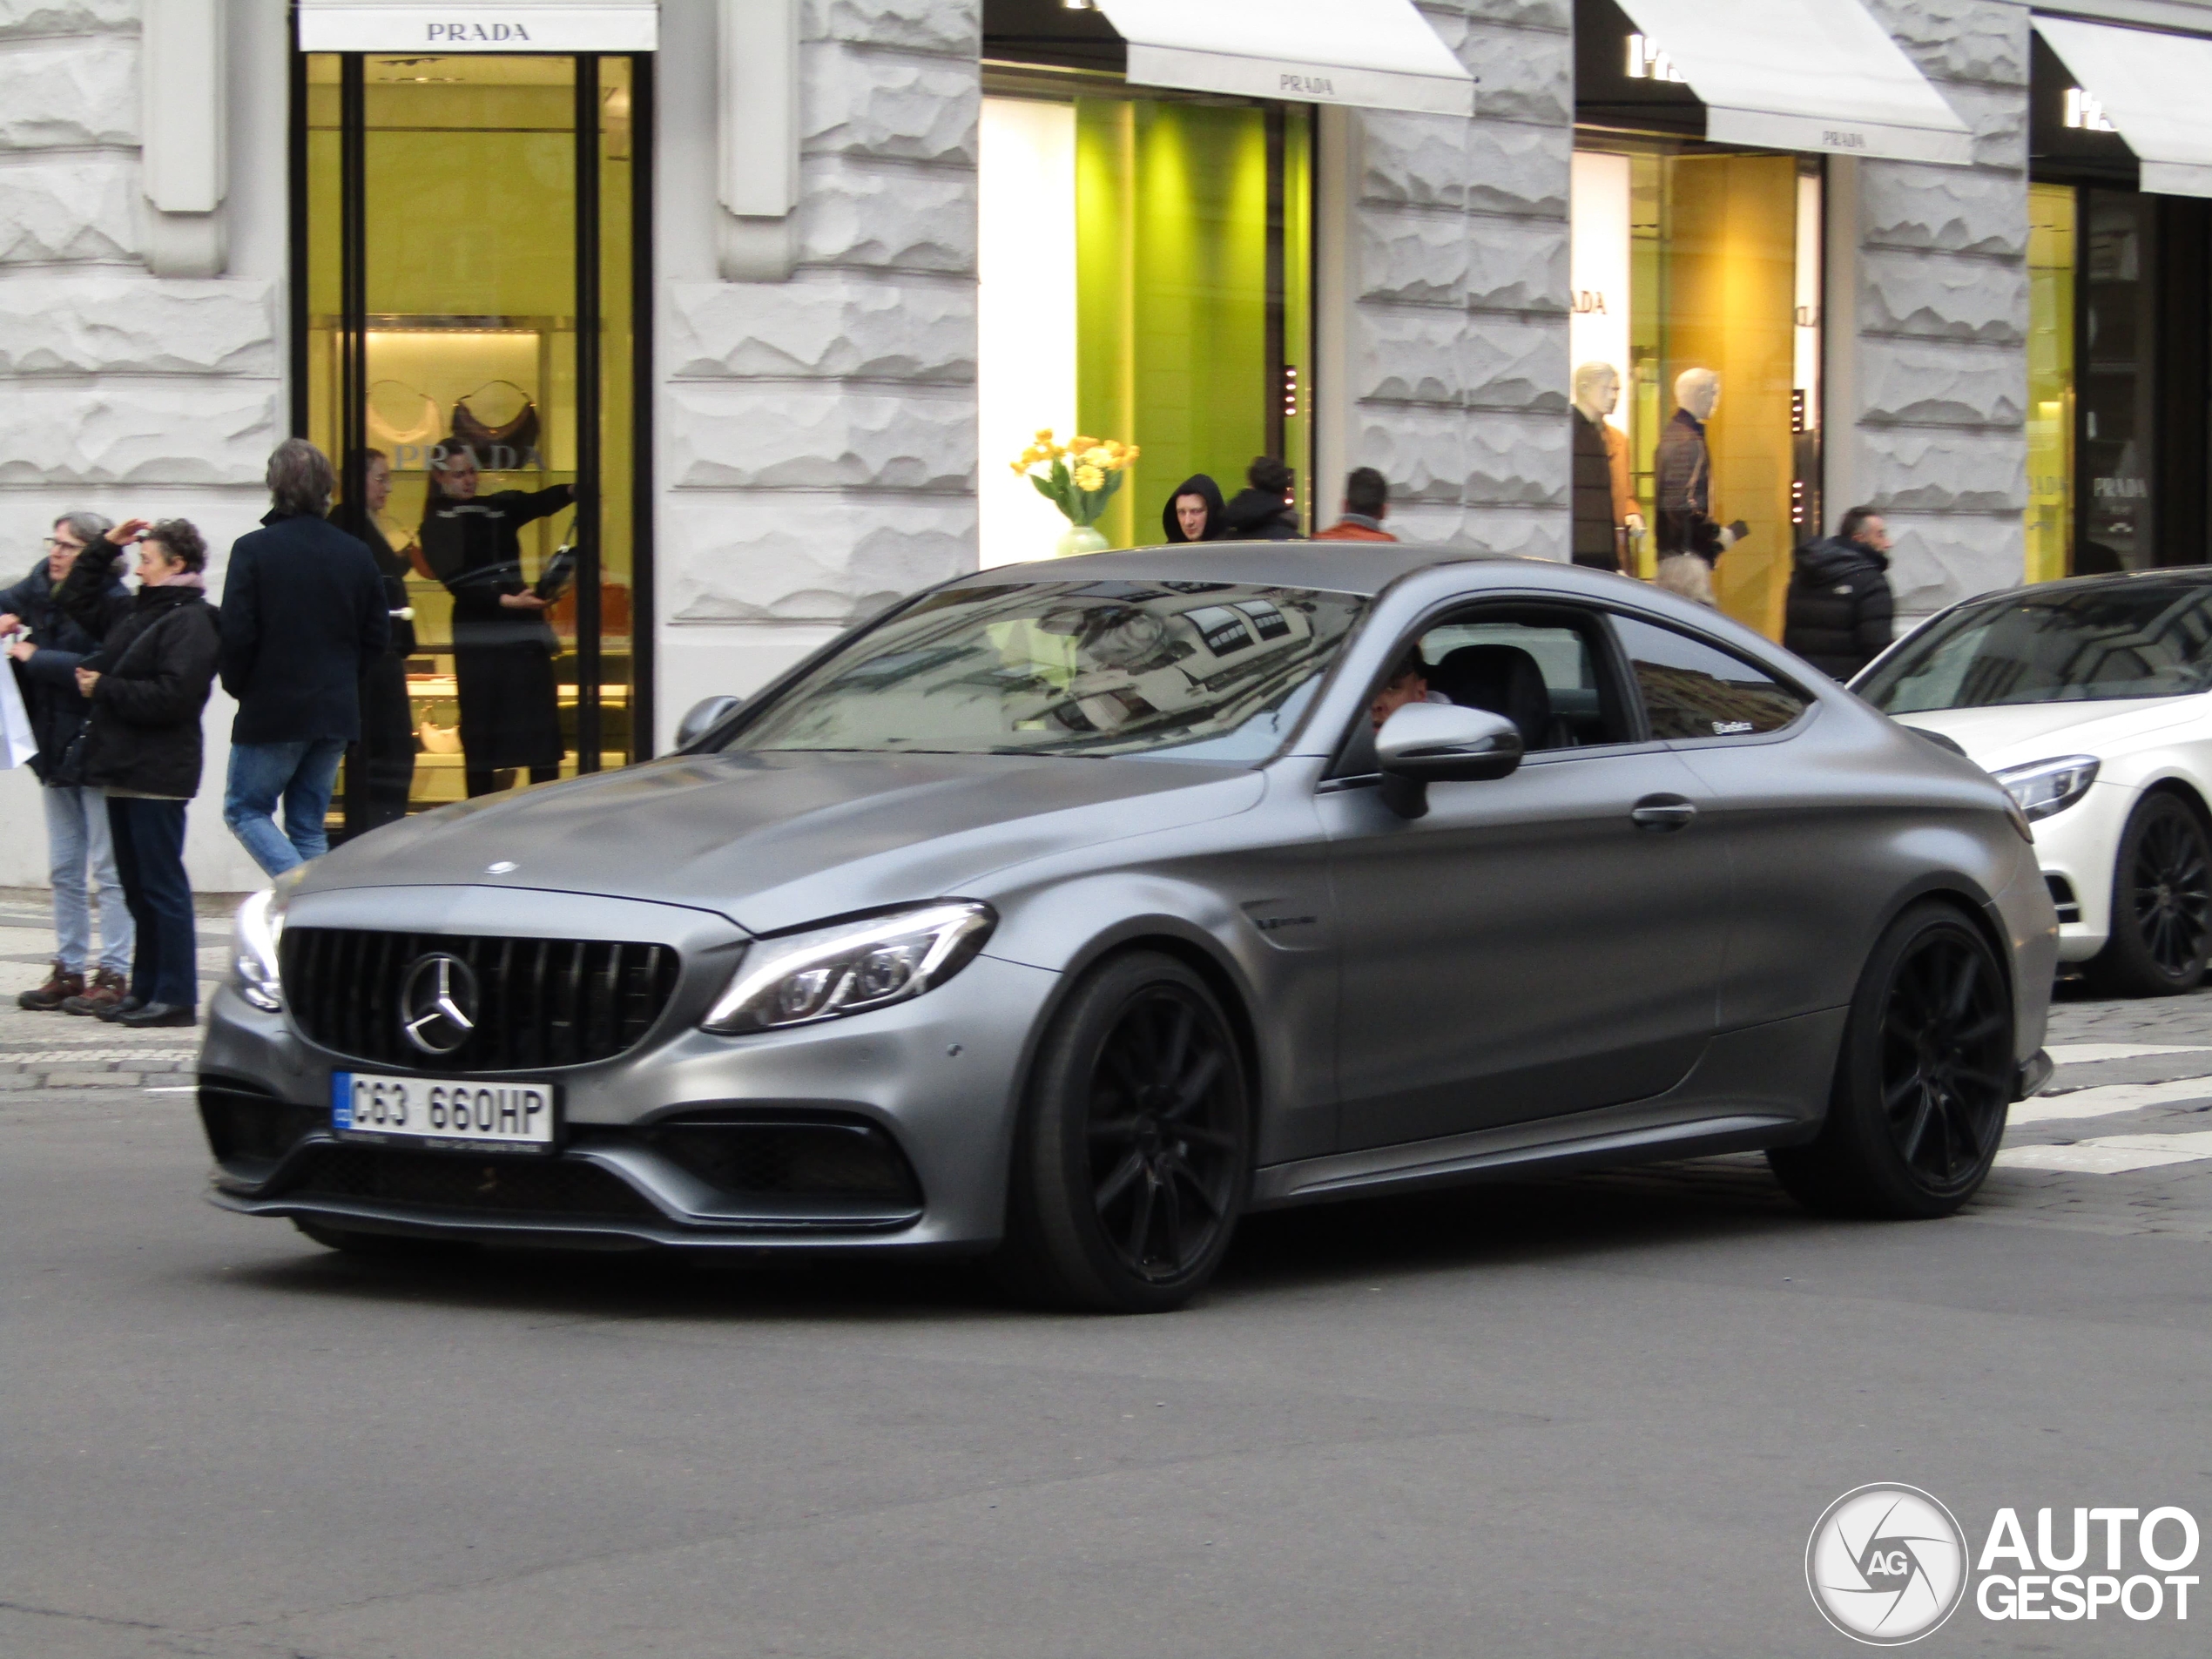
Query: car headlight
{"points": [[2047, 786], [849, 966], [254, 940]]}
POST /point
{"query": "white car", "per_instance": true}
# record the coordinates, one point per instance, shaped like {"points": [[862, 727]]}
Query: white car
{"points": [[2089, 699]]}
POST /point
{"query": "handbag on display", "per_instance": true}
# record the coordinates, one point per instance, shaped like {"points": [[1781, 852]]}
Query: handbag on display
{"points": [[517, 437]]}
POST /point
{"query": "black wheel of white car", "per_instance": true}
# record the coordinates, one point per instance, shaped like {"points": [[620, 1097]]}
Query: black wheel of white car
{"points": [[1135, 1154], [1924, 1080], [2162, 904]]}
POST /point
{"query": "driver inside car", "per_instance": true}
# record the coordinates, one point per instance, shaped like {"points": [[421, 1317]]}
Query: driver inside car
{"points": [[1408, 683]]}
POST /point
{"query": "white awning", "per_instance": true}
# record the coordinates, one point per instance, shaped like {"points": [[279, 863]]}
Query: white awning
{"points": [[480, 26], [1380, 54], [2152, 88], [1813, 75]]}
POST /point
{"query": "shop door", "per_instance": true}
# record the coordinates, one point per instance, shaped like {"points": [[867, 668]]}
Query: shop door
{"points": [[471, 354]]}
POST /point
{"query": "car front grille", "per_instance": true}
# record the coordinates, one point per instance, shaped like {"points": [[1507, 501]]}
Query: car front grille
{"points": [[540, 1001], [504, 1185]]}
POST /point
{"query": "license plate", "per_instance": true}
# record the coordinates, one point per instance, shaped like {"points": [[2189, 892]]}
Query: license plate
{"points": [[428, 1111]]}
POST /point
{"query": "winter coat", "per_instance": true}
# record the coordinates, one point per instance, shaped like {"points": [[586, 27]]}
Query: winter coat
{"points": [[1256, 516], [1197, 484], [157, 664], [1839, 609], [502, 659], [303, 608], [1683, 490], [1354, 527], [49, 679]]}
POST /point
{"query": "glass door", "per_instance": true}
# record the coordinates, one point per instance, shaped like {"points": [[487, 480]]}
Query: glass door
{"points": [[471, 356]]}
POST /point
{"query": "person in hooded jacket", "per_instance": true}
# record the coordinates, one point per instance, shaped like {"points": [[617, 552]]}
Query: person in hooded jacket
{"points": [[147, 684], [46, 646], [1262, 512], [1194, 511], [1840, 610]]}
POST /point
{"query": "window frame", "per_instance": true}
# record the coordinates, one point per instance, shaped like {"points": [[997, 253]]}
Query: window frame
{"points": [[1812, 698]]}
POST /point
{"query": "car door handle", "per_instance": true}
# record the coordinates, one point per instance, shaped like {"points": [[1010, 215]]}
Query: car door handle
{"points": [[1661, 813]]}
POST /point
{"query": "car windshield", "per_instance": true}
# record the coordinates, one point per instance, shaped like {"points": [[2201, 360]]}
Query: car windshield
{"points": [[2054, 645], [1190, 671]]}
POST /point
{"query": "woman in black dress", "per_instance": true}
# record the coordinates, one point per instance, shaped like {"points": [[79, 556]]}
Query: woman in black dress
{"points": [[502, 647], [387, 717]]}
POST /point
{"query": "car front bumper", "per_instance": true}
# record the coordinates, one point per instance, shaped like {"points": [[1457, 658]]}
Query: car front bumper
{"points": [[934, 1079], [2078, 847]]}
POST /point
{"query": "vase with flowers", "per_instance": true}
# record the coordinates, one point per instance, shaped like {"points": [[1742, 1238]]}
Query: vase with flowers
{"points": [[1079, 477]]}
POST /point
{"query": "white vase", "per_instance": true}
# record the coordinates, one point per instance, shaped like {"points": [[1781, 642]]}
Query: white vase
{"points": [[1080, 538]]}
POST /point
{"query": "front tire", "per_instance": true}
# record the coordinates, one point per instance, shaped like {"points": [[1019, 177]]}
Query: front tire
{"points": [[1134, 1156], [2161, 904], [1924, 1080]]}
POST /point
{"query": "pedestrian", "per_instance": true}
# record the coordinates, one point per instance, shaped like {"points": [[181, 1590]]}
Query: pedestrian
{"points": [[503, 646], [1194, 510], [303, 610], [1840, 610], [388, 715], [1366, 503], [1261, 511], [46, 646], [147, 683]]}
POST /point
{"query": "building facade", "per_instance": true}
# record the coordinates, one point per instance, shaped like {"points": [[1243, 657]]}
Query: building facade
{"points": [[786, 285]]}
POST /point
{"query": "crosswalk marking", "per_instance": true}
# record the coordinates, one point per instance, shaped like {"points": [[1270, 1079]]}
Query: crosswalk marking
{"points": [[2110, 1154], [2106, 1099], [2088, 1053]]}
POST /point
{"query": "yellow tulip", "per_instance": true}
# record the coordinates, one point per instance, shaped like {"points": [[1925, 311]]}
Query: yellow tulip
{"points": [[1077, 445]]}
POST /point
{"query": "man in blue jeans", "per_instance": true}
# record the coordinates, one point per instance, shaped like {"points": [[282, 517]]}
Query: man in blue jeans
{"points": [[303, 608]]}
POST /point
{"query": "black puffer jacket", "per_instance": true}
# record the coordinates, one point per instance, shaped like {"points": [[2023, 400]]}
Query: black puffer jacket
{"points": [[49, 679], [156, 665], [1840, 612], [1258, 515]]}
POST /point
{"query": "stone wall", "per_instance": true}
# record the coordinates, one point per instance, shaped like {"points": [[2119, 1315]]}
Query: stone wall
{"points": [[1455, 349], [819, 434], [1928, 401], [119, 391]]}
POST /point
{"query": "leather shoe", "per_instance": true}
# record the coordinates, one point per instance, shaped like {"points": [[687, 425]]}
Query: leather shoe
{"points": [[159, 1013], [128, 1005]]}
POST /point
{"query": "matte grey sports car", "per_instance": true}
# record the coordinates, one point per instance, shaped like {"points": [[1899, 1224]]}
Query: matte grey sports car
{"points": [[1067, 912]]}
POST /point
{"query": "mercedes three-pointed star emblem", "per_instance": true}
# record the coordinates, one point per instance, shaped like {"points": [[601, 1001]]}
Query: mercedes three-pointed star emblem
{"points": [[438, 1003]]}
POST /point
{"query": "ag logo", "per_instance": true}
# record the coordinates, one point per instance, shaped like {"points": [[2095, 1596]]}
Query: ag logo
{"points": [[1886, 1565], [438, 1003]]}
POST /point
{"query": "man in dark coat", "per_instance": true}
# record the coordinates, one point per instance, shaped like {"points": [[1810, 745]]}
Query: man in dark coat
{"points": [[1840, 610], [1262, 512], [303, 609], [47, 644]]}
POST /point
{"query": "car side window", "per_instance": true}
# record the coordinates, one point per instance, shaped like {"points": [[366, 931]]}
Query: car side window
{"points": [[1692, 690], [1542, 669]]}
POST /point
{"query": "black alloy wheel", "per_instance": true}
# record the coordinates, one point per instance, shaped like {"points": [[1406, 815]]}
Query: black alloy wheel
{"points": [[1135, 1152], [2162, 904], [1924, 1080]]}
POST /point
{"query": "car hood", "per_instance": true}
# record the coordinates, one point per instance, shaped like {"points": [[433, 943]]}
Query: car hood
{"points": [[2016, 734], [778, 841]]}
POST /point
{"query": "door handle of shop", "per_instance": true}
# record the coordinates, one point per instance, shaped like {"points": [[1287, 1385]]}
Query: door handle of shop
{"points": [[1661, 813]]}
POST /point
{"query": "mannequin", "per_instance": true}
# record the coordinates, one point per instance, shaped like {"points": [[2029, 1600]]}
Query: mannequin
{"points": [[1690, 540], [1605, 508]]}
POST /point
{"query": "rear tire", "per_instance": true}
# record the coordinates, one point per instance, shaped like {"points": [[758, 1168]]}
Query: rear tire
{"points": [[2161, 904], [1134, 1156], [1924, 1080]]}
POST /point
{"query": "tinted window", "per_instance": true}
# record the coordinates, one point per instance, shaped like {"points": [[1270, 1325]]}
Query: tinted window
{"points": [[1540, 670], [1197, 671], [2054, 645], [1694, 690]]}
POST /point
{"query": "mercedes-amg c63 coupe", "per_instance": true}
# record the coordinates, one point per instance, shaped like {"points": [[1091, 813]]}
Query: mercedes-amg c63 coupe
{"points": [[1066, 912]]}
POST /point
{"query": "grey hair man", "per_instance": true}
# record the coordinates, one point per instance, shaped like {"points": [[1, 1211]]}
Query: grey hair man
{"points": [[303, 608], [45, 646]]}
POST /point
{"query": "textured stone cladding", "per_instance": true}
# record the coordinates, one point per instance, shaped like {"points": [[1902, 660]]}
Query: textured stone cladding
{"points": [[821, 433], [118, 391], [1456, 340], [1939, 320]]}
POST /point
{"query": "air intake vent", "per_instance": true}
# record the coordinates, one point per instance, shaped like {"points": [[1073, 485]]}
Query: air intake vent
{"points": [[534, 1003], [2068, 907]]}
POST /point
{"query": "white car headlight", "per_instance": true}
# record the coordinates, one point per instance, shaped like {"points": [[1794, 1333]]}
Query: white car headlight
{"points": [[254, 940], [849, 966], [2043, 787]]}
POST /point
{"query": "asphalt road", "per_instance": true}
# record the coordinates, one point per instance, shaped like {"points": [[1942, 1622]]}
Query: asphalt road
{"points": [[1590, 1417]]}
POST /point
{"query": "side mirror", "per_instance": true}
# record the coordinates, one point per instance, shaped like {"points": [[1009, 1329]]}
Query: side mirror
{"points": [[704, 715], [1431, 743]]}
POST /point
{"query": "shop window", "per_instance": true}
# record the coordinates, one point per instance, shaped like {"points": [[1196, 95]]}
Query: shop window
{"points": [[2050, 260], [1145, 276], [467, 275], [1690, 259], [2119, 327]]}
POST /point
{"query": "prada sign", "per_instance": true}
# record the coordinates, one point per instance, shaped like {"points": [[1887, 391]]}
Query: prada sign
{"points": [[547, 26]]}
